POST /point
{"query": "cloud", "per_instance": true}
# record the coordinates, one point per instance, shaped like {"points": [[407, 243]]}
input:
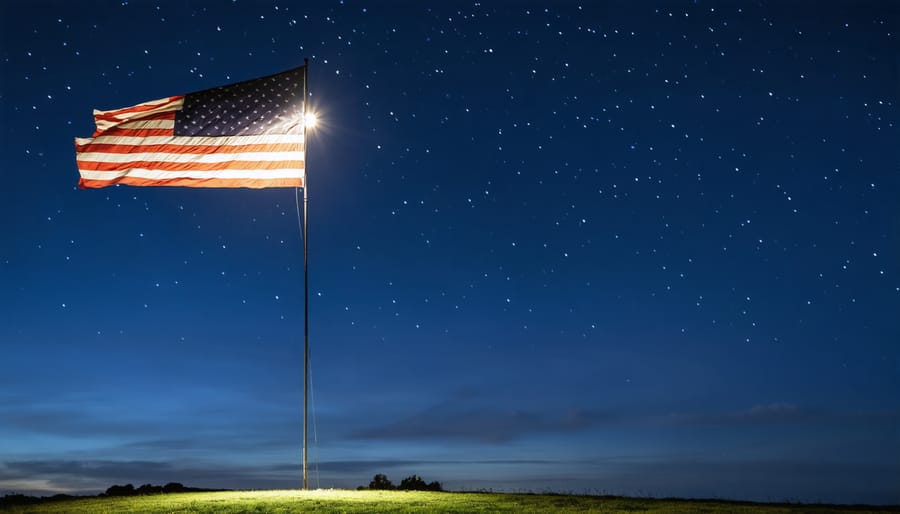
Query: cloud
{"points": [[451, 421], [206, 441], [779, 413], [92, 476], [90, 469], [769, 411], [71, 476], [470, 417], [45, 477], [110, 432], [71, 423], [757, 414], [74, 475], [760, 479], [367, 466]]}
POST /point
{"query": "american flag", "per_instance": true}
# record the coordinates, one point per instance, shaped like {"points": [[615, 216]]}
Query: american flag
{"points": [[248, 134]]}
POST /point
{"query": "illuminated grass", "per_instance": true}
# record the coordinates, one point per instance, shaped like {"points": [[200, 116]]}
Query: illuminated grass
{"points": [[293, 501]]}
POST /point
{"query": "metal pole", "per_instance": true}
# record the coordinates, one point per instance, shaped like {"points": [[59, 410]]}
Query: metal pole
{"points": [[305, 279]]}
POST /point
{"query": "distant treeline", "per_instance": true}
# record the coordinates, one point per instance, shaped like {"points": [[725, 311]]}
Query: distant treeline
{"points": [[171, 487], [116, 490], [410, 483]]}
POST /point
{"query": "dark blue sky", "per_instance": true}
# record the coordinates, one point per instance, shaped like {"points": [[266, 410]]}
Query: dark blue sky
{"points": [[633, 249]]}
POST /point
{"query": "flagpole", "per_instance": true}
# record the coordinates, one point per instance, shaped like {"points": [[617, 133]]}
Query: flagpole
{"points": [[305, 278]]}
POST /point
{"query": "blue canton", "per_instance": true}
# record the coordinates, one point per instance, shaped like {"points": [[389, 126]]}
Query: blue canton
{"points": [[267, 105]]}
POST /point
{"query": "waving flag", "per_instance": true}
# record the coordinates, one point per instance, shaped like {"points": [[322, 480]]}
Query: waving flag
{"points": [[248, 134]]}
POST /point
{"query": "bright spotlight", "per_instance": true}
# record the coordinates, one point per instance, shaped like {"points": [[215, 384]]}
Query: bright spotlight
{"points": [[310, 120]]}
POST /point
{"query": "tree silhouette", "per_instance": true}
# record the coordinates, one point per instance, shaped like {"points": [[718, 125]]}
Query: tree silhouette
{"points": [[120, 490], [173, 487], [413, 483], [380, 481], [410, 483], [148, 489]]}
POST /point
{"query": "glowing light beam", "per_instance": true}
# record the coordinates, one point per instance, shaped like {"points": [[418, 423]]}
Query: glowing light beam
{"points": [[311, 120]]}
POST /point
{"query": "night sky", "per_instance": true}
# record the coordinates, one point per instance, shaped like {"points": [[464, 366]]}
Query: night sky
{"points": [[644, 249]]}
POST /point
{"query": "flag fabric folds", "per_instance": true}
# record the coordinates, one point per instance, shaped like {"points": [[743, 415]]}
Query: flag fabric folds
{"points": [[248, 134]]}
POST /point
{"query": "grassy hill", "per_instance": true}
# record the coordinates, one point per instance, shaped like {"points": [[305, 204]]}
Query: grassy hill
{"points": [[293, 501]]}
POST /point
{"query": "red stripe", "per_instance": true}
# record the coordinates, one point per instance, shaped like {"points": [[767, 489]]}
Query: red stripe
{"points": [[169, 115], [189, 166], [114, 115], [120, 116], [134, 132], [254, 183], [186, 149], [159, 116]]}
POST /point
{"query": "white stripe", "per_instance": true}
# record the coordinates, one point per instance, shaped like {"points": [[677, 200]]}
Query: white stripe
{"points": [[163, 105], [193, 158], [162, 175], [259, 139], [158, 102], [151, 124]]}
